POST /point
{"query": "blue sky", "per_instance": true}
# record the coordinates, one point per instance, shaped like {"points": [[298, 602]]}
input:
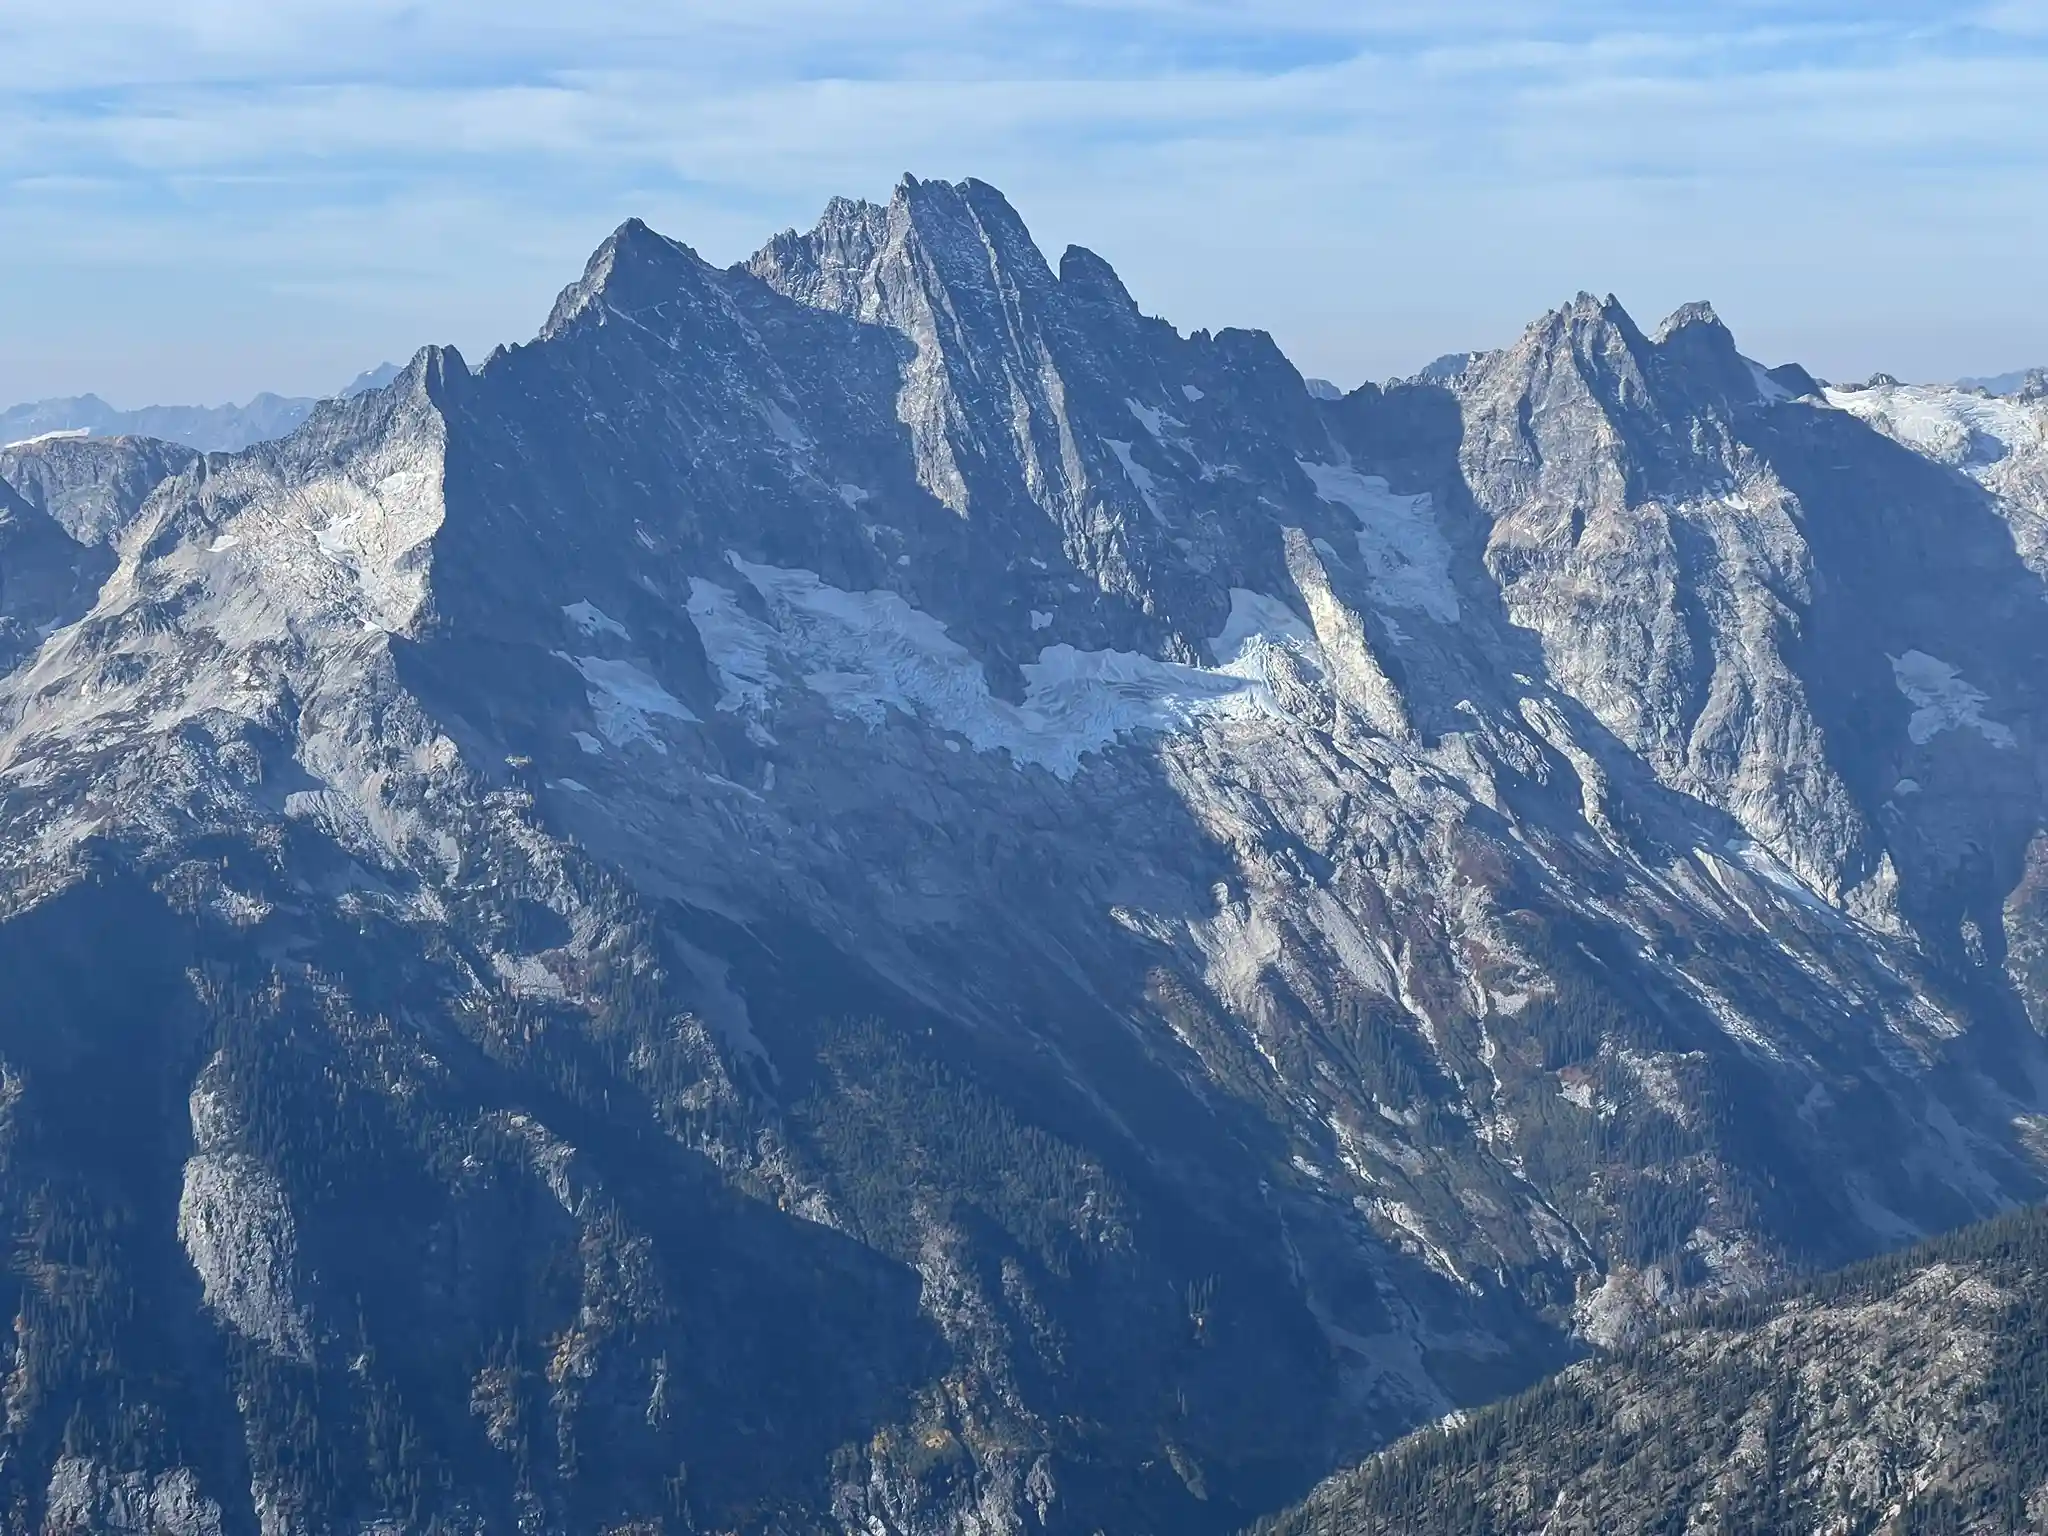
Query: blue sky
{"points": [[201, 198]]}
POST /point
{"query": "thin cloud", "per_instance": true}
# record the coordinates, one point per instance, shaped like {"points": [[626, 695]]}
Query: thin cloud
{"points": [[1373, 183]]}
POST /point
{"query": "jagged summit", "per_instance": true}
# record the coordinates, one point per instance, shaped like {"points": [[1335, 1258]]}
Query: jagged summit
{"points": [[1088, 275], [1696, 313], [944, 244], [1690, 361], [870, 891], [634, 265]]}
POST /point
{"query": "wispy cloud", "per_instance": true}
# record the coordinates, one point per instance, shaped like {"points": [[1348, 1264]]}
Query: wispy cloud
{"points": [[216, 195]]}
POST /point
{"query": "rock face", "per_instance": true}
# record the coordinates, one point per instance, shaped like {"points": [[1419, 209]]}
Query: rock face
{"points": [[1901, 1395], [872, 893]]}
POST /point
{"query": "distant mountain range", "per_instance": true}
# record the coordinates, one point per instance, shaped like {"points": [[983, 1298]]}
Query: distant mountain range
{"points": [[870, 892], [208, 428], [2008, 383]]}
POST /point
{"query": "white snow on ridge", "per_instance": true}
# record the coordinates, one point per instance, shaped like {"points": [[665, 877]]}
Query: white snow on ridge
{"points": [[1153, 419], [1255, 621], [625, 701], [1406, 558], [59, 435], [870, 653], [1768, 389], [592, 620], [1951, 426], [1943, 701]]}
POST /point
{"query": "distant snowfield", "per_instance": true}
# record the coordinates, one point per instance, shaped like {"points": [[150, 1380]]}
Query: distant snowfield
{"points": [[1139, 476], [1968, 431], [870, 653], [1943, 701], [592, 620], [625, 701], [1406, 559]]}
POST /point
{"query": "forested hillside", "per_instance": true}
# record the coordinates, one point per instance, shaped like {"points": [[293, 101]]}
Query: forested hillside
{"points": [[1904, 1395]]}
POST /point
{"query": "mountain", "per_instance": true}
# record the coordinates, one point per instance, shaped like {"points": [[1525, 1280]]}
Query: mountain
{"points": [[2020, 379], [369, 379], [1903, 1395], [870, 892], [208, 428]]}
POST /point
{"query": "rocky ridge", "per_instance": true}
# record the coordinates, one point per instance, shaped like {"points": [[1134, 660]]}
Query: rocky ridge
{"points": [[872, 893], [1903, 1395]]}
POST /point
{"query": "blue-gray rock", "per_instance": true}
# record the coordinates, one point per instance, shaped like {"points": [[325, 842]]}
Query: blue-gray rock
{"points": [[871, 892]]}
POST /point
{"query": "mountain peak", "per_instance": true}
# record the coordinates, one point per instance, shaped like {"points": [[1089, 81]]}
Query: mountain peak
{"points": [[633, 263], [1588, 325], [948, 246], [1088, 276], [1694, 339], [973, 223], [1697, 314]]}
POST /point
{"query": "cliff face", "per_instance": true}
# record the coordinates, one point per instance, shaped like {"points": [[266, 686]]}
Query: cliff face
{"points": [[872, 893]]}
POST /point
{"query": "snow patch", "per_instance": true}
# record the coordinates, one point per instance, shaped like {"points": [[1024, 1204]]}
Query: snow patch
{"points": [[1255, 620], [61, 434], [588, 743], [786, 430], [1139, 476], [738, 645], [1768, 389], [625, 700], [592, 620], [1765, 865], [1408, 564], [1951, 426], [870, 654], [1193, 394], [1153, 419], [222, 544], [1040, 621], [1943, 701]]}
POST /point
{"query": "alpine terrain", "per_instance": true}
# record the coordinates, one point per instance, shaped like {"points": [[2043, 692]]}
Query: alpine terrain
{"points": [[1906, 1394], [871, 893]]}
